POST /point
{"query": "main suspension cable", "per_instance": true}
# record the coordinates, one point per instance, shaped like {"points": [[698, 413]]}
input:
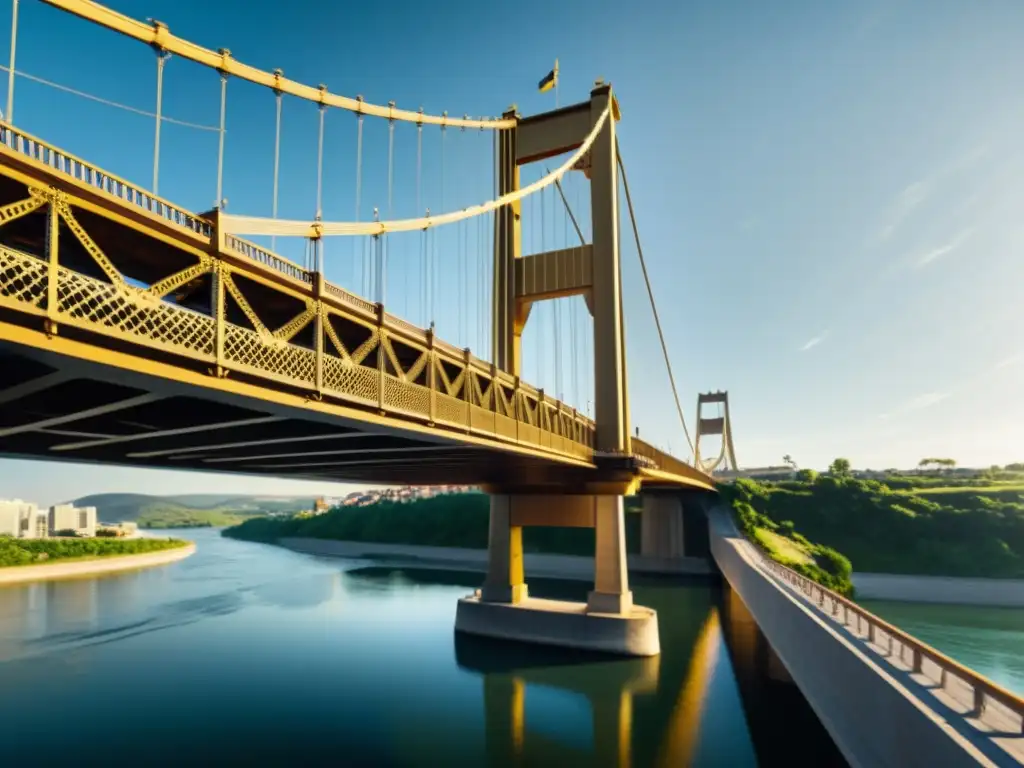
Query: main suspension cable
{"points": [[650, 294]]}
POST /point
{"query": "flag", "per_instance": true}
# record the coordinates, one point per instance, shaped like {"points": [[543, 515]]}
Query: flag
{"points": [[550, 80]]}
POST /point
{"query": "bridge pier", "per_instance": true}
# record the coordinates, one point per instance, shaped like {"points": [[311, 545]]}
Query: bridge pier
{"points": [[608, 621], [674, 526]]}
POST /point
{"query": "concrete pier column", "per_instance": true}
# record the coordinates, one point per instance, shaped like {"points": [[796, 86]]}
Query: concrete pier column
{"points": [[504, 582], [611, 580], [662, 533]]}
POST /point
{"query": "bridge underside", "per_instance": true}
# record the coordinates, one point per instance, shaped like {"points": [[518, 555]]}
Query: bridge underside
{"points": [[57, 404], [57, 407]]}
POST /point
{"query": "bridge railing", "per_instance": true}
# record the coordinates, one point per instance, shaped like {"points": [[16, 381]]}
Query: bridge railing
{"points": [[268, 259], [910, 651], [67, 164]]}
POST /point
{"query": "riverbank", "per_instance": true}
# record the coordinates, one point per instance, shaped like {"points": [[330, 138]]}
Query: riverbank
{"points": [[946, 590], [537, 565], [93, 566]]}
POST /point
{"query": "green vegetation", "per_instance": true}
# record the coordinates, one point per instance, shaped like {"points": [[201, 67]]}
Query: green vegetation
{"points": [[38, 551], [966, 526], [458, 520], [780, 540], [187, 511]]}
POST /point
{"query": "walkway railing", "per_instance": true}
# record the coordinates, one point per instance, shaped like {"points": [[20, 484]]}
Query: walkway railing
{"points": [[908, 649], [66, 163]]}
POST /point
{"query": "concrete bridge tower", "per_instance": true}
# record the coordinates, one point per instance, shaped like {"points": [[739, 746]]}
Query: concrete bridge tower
{"points": [[720, 425], [609, 621]]}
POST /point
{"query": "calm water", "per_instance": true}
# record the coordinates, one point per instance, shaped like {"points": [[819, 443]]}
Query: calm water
{"points": [[988, 640], [246, 653]]}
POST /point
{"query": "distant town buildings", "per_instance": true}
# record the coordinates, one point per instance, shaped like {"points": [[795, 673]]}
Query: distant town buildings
{"points": [[397, 495], [24, 520], [68, 517]]}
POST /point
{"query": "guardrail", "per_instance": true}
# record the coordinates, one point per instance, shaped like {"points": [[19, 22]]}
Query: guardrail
{"points": [[35, 149], [269, 259], [867, 626]]}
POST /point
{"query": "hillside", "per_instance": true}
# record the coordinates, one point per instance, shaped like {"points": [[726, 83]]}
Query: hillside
{"points": [[949, 530], [187, 510], [456, 520]]}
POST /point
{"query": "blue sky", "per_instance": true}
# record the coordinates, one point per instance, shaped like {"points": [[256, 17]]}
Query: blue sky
{"points": [[829, 194]]}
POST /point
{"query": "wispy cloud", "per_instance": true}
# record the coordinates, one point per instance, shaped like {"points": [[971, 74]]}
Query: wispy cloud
{"points": [[926, 400], [960, 238], [1007, 362], [907, 200], [812, 343]]}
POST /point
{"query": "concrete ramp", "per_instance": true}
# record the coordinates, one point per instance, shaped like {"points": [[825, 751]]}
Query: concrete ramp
{"points": [[878, 714]]}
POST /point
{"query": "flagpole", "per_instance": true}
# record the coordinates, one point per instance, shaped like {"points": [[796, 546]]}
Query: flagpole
{"points": [[556, 83]]}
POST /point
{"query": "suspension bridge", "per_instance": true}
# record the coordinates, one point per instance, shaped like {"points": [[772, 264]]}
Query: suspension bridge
{"points": [[141, 332]]}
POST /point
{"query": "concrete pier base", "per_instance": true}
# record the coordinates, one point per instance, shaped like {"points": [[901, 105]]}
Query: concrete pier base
{"points": [[558, 622]]}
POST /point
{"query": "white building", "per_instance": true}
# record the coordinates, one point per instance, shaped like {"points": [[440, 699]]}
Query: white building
{"points": [[19, 519], [68, 517]]}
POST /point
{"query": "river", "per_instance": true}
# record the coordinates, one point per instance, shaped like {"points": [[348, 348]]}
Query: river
{"points": [[251, 654], [988, 640]]}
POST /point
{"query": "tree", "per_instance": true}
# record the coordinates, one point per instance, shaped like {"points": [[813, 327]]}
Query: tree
{"points": [[788, 460], [840, 468], [808, 476]]}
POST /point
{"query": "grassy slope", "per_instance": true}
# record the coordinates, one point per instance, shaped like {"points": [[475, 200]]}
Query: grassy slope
{"points": [[951, 530], [782, 542]]}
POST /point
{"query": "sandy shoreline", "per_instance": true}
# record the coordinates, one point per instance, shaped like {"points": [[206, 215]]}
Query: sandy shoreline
{"points": [[572, 567], [22, 573]]}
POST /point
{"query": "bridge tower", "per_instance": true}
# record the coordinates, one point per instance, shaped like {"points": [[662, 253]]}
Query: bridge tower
{"points": [[716, 425], [595, 498]]}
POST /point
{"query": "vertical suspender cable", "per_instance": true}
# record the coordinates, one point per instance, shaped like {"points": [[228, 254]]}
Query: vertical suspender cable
{"points": [[319, 245], [220, 142], [541, 306], [458, 282], [495, 144], [161, 58], [386, 244], [359, 191], [10, 69], [573, 374], [423, 250], [556, 307], [437, 245], [573, 306], [277, 154], [320, 167], [480, 261], [375, 258]]}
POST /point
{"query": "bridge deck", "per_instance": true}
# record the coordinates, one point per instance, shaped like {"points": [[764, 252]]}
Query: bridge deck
{"points": [[132, 331], [863, 687]]}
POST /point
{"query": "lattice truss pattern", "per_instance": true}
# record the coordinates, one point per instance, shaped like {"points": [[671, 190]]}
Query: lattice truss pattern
{"points": [[358, 354]]}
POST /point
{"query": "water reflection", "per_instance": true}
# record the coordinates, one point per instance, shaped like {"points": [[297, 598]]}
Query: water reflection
{"points": [[513, 674], [717, 695], [781, 723], [252, 654]]}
